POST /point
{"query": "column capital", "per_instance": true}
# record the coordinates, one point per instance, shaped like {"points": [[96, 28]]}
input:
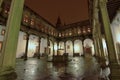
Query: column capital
{"points": [[39, 38], [27, 36], [72, 41]]}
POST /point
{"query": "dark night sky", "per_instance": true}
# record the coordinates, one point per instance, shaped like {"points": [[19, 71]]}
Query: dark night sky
{"points": [[70, 11]]}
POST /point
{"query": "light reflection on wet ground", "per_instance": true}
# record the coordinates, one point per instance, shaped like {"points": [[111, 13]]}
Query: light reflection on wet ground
{"points": [[76, 69]]}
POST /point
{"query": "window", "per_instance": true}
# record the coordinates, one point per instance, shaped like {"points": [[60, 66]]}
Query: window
{"points": [[32, 22], [25, 18]]}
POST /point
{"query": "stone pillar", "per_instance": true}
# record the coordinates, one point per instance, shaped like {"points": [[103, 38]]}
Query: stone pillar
{"points": [[100, 39], [95, 28], [101, 48], [115, 68], [8, 54], [98, 44], [53, 49], [26, 48], [48, 44], [95, 47], [53, 56], [65, 46], [39, 41], [73, 48], [57, 47], [83, 47]]}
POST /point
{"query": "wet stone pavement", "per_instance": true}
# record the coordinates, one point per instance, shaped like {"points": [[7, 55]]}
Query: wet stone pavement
{"points": [[78, 68]]}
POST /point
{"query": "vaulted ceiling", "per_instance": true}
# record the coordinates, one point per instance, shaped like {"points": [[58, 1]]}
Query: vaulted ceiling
{"points": [[70, 11]]}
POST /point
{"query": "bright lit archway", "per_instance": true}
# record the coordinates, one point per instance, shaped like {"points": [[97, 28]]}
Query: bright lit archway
{"points": [[88, 46], [43, 45], [55, 48], [69, 48], [78, 48], [51, 47], [32, 45], [61, 48]]}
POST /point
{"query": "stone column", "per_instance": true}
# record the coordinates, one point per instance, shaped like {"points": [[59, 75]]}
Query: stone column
{"points": [[48, 45], [8, 56], [73, 48], [95, 47], [83, 47], [39, 41], [97, 29], [53, 56], [101, 48], [115, 68], [100, 39], [57, 47], [53, 49], [26, 48], [98, 35], [65, 46], [98, 43]]}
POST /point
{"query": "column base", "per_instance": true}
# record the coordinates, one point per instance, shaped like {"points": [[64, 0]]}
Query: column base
{"points": [[6, 70], [115, 72], [7, 74], [10, 76]]}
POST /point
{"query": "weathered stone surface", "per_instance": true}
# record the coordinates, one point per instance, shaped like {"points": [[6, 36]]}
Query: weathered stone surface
{"points": [[79, 68]]}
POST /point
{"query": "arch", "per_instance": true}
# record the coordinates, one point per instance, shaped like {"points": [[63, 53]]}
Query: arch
{"points": [[43, 45], [32, 45], [55, 48], [88, 46], [69, 47], [61, 47], [78, 47], [21, 45]]}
